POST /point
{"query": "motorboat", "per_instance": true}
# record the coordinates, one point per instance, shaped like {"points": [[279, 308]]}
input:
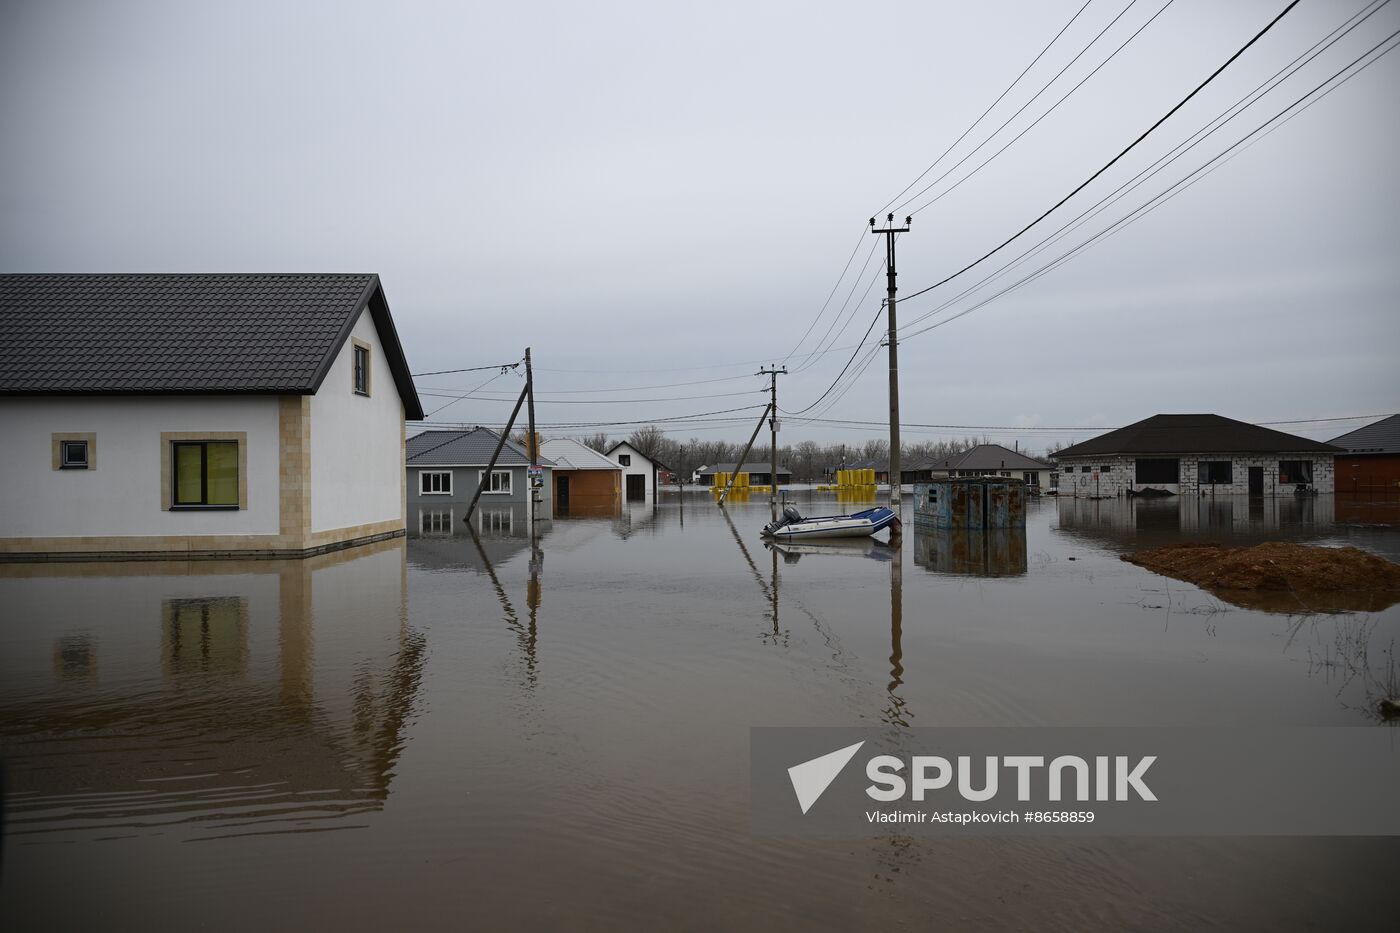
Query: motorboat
{"points": [[791, 525]]}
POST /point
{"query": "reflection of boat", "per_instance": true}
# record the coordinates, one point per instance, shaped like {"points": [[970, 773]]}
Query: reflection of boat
{"points": [[792, 525], [793, 551]]}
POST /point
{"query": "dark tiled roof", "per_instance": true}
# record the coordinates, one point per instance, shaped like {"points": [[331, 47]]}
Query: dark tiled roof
{"points": [[464, 448], [179, 334], [1383, 437], [1190, 434], [989, 457]]}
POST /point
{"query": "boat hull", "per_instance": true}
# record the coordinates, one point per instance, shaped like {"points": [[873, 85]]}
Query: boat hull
{"points": [[858, 525]]}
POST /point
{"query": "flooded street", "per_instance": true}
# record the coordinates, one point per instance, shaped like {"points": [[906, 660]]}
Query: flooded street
{"points": [[482, 732]]}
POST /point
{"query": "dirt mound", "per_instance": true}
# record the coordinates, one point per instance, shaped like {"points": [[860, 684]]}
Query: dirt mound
{"points": [[1343, 577]]}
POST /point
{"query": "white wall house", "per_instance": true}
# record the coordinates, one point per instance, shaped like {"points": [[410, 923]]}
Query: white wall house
{"points": [[1196, 455], [151, 415], [638, 472]]}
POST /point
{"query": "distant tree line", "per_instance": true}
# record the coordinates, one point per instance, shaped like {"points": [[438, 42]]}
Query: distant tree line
{"points": [[808, 460]]}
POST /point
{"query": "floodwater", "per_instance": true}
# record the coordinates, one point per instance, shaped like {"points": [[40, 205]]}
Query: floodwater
{"points": [[481, 732]]}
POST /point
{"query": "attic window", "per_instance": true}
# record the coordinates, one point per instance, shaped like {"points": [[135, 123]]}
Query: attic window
{"points": [[624, 459], [74, 451], [73, 455], [360, 367]]}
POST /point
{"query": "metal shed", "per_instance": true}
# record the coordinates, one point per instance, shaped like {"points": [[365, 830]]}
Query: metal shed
{"points": [[971, 502]]}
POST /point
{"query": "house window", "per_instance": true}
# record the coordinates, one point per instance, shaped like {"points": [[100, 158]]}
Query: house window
{"points": [[360, 358], [1211, 472], [205, 475], [73, 455], [74, 451], [1105, 468], [499, 482], [435, 484], [1295, 471], [624, 459], [1158, 470], [1031, 479]]}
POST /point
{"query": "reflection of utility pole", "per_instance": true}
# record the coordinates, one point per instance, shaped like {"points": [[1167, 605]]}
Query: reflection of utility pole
{"points": [[895, 474], [773, 434], [532, 447], [895, 714]]}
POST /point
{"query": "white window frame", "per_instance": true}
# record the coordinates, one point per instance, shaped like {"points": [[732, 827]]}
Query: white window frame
{"points": [[435, 528], [486, 487], [423, 481]]}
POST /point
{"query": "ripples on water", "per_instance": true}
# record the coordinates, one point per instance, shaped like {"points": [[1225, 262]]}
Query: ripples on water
{"points": [[493, 730]]}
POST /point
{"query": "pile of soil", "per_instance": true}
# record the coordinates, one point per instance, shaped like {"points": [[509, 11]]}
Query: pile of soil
{"points": [[1343, 577]]}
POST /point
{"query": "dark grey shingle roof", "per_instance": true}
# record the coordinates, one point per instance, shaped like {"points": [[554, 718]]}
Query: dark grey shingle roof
{"points": [[989, 457], [1188, 434], [464, 448], [186, 333], [1382, 437]]}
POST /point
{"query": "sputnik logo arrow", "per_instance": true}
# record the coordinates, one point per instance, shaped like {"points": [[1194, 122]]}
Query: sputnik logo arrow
{"points": [[811, 778]]}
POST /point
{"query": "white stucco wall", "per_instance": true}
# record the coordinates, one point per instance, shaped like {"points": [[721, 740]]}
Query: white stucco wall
{"points": [[121, 495], [641, 466], [356, 462]]}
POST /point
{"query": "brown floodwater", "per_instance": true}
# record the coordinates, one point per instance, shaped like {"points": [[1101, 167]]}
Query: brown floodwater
{"points": [[485, 732]]}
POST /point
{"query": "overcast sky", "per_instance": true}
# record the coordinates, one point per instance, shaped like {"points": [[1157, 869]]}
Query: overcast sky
{"points": [[651, 194]]}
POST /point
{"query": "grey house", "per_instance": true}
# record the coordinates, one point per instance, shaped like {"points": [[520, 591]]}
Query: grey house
{"points": [[444, 468]]}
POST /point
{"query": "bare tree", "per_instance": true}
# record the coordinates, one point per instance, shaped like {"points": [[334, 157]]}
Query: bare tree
{"points": [[598, 442], [648, 441]]}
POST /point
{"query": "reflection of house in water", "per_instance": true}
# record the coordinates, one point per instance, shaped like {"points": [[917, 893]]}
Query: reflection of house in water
{"points": [[1130, 524], [978, 552], [226, 697]]}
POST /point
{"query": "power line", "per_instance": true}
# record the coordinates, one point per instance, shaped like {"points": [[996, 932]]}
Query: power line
{"points": [[978, 121], [1114, 160], [1173, 155], [1175, 189], [600, 401], [469, 369], [1046, 87], [1053, 107], [696, 415], [459, 398]]}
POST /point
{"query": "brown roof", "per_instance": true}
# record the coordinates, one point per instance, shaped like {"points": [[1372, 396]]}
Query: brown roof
{"points": [[1190, 434]]}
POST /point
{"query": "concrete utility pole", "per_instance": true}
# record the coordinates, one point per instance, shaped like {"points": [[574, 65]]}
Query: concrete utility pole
{"points": [[532, 448], [773, 433], [895, 474]]}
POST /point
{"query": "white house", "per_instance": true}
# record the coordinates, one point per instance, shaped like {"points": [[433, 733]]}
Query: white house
{"points": [[199, 415], [638, 472]]}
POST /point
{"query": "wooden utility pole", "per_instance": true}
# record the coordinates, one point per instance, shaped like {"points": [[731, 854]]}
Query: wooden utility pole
{"points": [[745, 455], [532, 449], [773, 374], [895, 474]]}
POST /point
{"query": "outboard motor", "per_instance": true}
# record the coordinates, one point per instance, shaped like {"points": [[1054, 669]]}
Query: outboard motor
{"points": [[790, 516]]}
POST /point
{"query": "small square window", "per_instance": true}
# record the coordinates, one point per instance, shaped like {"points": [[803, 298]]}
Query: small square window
{"points": [[624, 459], [73, 455]]}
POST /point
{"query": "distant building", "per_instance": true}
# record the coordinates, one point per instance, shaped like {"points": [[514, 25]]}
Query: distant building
{"points": [[586, 483], [444, 468], [993, 460], [639, 472], [1371, 462], [760, 473], [1205, 454], [198, 415]]}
